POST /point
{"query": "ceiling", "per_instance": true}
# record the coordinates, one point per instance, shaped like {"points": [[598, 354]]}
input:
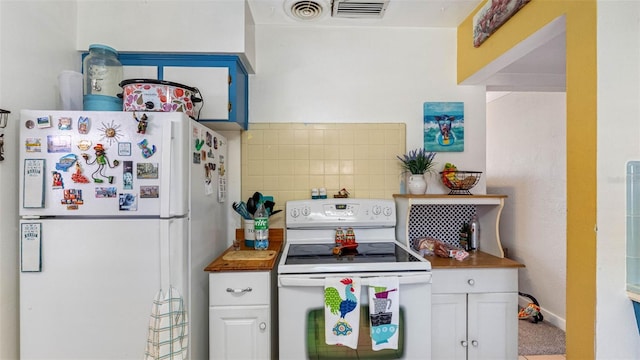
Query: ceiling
{"points": [[539, 69], [399, 13]]}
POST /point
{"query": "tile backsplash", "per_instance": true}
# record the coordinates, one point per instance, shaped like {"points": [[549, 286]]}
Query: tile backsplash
{"points": [[287, 160]]}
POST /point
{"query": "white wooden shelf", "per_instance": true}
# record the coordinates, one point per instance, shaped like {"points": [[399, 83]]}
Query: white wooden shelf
{"points": [[445, 213]]}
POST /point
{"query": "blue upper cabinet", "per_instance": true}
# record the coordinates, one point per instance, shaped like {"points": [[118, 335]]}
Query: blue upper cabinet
{"points": [[221, 79]]}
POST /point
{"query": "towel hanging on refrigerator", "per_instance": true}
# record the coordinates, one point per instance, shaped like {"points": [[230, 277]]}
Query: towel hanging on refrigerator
{"points": [[384, 311], [168, 336], [342, 311]]}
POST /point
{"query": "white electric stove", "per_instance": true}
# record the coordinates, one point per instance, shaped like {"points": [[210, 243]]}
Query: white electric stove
{"points": [[308, 258]]}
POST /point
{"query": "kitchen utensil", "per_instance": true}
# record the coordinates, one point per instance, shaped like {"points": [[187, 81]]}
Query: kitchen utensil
{"points": [[275, 212], [241, 208], [252, 206], [159, 95], [257, 197], [269, 205]]}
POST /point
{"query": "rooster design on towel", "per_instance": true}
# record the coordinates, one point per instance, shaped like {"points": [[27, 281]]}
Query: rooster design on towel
{"points": [[336, 304]]}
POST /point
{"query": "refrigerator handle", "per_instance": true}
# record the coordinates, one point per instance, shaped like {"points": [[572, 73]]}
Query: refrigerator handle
{"points": [[165, 174]]}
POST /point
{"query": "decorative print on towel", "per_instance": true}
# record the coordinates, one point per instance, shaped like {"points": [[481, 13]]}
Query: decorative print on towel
{"points": [[341, 313], [384, 297]]}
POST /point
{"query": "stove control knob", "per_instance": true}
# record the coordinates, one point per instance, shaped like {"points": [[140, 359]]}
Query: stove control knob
{"points": [[387, 211], [377, 210], [306, 211], [295, 212]]}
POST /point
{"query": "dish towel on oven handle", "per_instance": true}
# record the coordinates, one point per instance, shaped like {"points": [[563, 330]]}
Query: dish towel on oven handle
{"points": [[342, 311], [384, 312]]}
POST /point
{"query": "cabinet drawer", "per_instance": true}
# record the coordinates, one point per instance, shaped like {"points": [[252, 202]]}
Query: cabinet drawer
{"points": [[451, 281], [239, 288]]}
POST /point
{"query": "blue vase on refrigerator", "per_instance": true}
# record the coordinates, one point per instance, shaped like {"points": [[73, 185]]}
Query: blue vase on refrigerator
{"points": [[111, 213]]}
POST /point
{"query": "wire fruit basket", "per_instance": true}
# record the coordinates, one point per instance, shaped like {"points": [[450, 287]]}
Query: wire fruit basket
{"points": [[460, 182]]}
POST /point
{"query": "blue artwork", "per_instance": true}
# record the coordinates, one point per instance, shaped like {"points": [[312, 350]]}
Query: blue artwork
{"points": [[444, 126]]}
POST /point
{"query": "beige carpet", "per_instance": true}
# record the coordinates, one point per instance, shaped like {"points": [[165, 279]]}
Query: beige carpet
{"points": [[540, 339]]}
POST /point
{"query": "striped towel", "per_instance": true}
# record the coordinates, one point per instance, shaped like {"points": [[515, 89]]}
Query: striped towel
{"points": [[168, 336]]}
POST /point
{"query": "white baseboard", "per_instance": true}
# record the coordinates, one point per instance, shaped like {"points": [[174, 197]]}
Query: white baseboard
{"points": [[549, 317]]}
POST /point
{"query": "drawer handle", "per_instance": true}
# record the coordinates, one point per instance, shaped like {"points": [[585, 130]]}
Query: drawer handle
{"points": [[474, 343], [464, 343], [235, 291], [471, 282], [263, 326]]}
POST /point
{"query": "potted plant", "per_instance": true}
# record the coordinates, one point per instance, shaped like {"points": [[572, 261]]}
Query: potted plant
{"points": [[417, 163]]}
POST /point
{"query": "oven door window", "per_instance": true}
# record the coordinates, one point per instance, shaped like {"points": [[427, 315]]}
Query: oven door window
{"points": [[318, 349]]}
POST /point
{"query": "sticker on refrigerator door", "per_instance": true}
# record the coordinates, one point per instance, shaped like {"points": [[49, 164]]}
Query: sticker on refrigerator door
{"points": [[66, 162], [128, 202], [199, 143], [147, 170], [83, 125], [44, 122], [124, 148], [208, 172], [209, 139], [222, 189], [147, 150], [127, 175], [104, 192], [110, 132], [58, 143], [149, 191], [64, 123], [102, 160], [143, 123], [84, 145], [33, 145], [77, 177], [30, 247], [72, 199], [56, 182], [196, 158], [33, 183]]}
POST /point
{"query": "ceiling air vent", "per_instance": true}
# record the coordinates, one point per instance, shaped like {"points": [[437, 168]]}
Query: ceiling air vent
{"points": [[367, 9], [306, 9]]}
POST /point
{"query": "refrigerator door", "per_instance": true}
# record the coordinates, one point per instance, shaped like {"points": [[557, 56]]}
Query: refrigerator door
{"points": [[93, 297], [125, 164], [208, 216]]}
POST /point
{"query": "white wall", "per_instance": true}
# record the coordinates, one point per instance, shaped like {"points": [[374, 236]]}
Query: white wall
{"points": [[526, 159], [365, 75], [36, 43], [618, 142]]}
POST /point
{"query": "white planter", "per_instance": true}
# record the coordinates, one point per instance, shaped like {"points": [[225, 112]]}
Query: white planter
{"points": [[417, 184]]}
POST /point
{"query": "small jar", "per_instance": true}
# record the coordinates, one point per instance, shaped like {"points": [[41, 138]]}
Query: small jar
{"points": [[102, 77], [322, 193]]}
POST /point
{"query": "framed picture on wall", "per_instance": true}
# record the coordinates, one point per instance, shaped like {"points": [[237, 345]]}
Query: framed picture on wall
{"points": [[444, 126]]}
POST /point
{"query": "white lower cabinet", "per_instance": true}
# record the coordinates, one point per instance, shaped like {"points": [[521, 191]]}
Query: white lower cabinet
{"points": [[241, 318], [475, 314], [239, 332]]}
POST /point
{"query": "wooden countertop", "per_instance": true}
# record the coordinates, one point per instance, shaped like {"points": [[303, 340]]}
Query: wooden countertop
{"points": [[476, 259], [276, 238]]}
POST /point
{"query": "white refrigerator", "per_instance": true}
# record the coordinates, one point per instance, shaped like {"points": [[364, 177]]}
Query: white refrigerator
{"points": [[114, 208]]}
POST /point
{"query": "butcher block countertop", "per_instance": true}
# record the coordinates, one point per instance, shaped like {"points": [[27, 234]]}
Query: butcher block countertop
{"points": [[276, 237], [475, 260]]}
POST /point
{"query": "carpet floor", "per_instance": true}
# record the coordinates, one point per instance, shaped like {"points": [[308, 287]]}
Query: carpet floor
{"points": [[540, 339]]}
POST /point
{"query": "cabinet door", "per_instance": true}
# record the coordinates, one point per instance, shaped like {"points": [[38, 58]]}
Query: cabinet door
{"points": [[239, 332], [213, 83], [448, 326], [493, 326]]}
